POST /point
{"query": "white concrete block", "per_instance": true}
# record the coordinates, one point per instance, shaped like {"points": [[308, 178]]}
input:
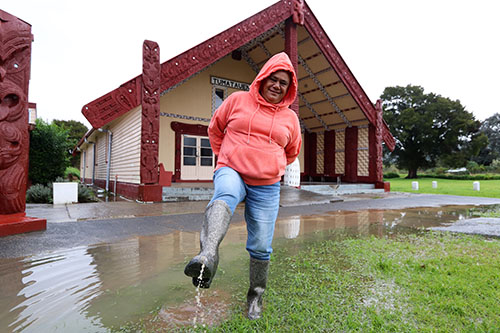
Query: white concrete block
{"points": [[65, 193], [414, 186], [476, 186], [292, 174], [434, 184]]}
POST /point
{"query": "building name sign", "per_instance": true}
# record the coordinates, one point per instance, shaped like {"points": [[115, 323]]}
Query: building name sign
{"points": [[229, 83]]}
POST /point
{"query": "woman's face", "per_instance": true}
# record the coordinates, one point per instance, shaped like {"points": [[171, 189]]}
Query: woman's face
{"points": [[274, 87]]}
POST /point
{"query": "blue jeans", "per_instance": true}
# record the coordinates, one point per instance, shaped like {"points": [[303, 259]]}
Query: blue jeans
{"points": [[261, 208]]}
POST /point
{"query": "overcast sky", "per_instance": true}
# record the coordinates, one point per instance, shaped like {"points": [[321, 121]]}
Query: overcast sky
{"points": [[84, 49]]}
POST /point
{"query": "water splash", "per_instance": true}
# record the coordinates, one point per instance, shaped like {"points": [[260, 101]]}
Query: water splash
{"points": [[199, 294]]}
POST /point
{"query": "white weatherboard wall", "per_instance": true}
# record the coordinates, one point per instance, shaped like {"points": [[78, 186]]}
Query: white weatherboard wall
{"points": [[101, 150], [126, 147]]}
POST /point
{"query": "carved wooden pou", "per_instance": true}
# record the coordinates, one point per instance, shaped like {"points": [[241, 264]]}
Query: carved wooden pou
{"points": [[15, 61], [15, 55]]}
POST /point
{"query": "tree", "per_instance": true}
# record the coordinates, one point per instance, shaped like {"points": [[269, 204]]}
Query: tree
{"points": [[76, 130], [491, 129], [429, 128], [49, 155]]}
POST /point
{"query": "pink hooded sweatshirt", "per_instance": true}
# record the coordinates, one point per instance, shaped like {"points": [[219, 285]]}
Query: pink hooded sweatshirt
{"points": [[256, 138]]}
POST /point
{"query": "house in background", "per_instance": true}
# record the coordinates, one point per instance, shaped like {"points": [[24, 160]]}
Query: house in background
{"points": [[152, 130]]}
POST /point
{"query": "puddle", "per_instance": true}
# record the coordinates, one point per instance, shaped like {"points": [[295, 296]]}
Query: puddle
{"points": [[104, 287]]}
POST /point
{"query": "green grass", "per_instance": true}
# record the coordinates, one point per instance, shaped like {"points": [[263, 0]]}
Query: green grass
{"points": [[431, 282], [425, 282], [488, 188]]}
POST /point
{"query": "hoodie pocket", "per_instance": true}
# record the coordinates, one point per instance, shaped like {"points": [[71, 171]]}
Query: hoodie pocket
{"points": [[257, 163]]}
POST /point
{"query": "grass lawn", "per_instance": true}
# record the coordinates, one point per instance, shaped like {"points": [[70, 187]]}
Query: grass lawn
{"points": [[431, 282], [488, 188]]}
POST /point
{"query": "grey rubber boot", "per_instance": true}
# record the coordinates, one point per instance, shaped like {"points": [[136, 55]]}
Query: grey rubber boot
{"points": [[213, 230], [258, 281]]}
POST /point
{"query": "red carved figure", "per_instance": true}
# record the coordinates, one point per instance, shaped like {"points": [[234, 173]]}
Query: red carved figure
{"points": [[15, 53], [298, 12], [379, 173], [151, 71]]}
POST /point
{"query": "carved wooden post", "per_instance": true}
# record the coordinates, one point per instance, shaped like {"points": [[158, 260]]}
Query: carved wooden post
{"points": [[291, 40], [379, 169], [150, 132], [15, 61]]}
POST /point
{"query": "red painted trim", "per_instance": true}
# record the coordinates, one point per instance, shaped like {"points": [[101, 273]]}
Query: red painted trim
{"points": [[119, 101], [132, 191], [291, 48], [311, 142], [180, 129], [385, 185], [19, 223]]}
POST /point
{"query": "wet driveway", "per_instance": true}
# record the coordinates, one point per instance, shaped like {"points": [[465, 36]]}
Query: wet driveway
{"points": [[98, 275]]}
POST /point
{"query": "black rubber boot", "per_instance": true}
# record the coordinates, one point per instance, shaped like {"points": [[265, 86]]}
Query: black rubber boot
{"points": [[213, 230], [258, 281]]}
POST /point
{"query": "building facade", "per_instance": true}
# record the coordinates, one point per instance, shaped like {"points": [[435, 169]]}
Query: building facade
{"points": [[152, 130]]}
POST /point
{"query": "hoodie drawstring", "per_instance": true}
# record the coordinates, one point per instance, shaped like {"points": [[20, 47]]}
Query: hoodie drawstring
{"points": [[272, 126], [250, 123]]}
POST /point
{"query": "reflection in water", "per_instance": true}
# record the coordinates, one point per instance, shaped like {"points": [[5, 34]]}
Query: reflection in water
{"points": [[55, 287], [105, 286]]}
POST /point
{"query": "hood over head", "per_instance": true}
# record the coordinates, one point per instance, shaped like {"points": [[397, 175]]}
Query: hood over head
{"points": [[279, 61]]}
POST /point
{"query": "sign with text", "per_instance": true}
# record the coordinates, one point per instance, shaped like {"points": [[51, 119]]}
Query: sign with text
{"points": [[229, 83]]}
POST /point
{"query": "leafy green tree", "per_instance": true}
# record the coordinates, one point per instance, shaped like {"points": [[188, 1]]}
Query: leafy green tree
{"points": [[76, 130], [491, 129], [49, 155], [429, 128]]}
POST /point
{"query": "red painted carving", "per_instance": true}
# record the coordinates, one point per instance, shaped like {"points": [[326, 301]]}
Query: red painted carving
{"points": [[298, 12], [15, 55], [114, 104], [379, 173], [150, 112], [175, 70], [291, 49], [15, 61]]}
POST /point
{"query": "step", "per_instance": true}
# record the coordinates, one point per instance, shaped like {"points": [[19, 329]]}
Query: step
{"points": [[187, 193], [342, 189]]}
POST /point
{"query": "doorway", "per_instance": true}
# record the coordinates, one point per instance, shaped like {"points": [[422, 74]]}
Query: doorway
{"points": [[197, 159]]}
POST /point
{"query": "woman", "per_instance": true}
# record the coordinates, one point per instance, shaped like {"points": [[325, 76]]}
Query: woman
{"points": [[255, 135]]}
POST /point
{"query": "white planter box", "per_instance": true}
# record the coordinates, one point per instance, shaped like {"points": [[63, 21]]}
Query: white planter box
{"points": [[65, 193]]}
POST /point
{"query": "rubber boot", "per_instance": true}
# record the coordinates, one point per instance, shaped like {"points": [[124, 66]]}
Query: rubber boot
{"points": [[258, 281], [213, 230]]}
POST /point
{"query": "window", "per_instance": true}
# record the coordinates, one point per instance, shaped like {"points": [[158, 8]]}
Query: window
{"points": [[218, 96]]}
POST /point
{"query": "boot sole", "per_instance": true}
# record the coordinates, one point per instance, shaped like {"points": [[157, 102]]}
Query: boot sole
{"points": [[193, 270]]}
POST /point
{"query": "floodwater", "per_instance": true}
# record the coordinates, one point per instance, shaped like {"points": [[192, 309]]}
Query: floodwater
{"points": [[105, 287]]}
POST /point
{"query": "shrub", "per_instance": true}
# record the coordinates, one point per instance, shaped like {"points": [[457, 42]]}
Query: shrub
{"points": [[495, 166], [39, 193], [391, 175], [85, 194], [48, 157], [72, 173], [391, 169], [440, 170]]}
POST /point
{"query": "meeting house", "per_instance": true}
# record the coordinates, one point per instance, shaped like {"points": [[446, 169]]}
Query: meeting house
{"points": [[151, 131]]}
